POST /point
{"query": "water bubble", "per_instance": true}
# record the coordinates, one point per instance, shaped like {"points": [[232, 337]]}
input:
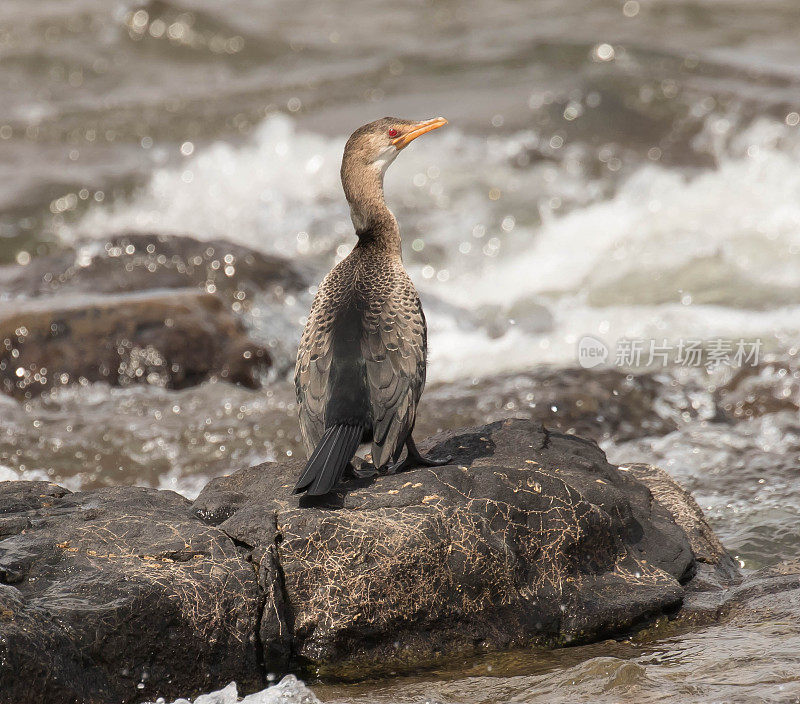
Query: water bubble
{"points": [[573, 111], [603, 52], [176, 31], [139, 18], [157, 28], [630, 8], [669, 88]]}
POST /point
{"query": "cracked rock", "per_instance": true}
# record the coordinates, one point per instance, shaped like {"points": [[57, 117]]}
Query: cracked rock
{"points": [[116, 594]]}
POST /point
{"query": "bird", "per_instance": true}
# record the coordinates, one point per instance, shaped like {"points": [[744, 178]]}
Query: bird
{"points": [[361, 361]]}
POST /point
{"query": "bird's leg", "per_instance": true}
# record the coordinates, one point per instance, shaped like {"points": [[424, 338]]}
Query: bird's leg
{"points": [[416, 459], [365, 471], [397, 466]]}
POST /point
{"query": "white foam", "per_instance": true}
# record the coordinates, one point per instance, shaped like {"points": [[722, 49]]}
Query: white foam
{"points": [[9, 474], [744, 215], [746, 212], [456, 353], [289, 690], [259, 195], [281, 193], [285, 182]]}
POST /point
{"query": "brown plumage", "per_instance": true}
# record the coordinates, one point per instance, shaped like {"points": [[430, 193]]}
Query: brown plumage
{"points": [[361, 361]]}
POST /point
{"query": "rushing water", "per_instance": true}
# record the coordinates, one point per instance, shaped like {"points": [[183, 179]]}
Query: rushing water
{"points": [[613, 168]]}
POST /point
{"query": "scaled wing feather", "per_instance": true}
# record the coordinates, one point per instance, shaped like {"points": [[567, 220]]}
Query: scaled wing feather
{"points": [[394, 348]]}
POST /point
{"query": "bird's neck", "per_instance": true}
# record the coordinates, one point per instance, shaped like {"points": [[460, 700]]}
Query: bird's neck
{"points": [[375, 224]]}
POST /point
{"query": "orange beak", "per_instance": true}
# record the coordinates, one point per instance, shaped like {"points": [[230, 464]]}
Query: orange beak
{"points": [[417, 131]]}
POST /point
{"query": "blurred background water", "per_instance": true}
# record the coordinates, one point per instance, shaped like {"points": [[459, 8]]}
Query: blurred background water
{"points": [[615, 168]]}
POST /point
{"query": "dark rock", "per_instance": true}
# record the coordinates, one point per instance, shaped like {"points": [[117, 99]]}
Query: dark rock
{"points": [[527, 538], [715, 569], [176, 338], [135, 261], [104, 590], [599, 404], [770, 595], [706, 547], [758, 390]]}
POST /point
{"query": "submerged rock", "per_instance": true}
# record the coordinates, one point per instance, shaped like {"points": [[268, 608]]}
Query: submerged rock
{"points": [[527, 538], [596, 403], [759, 390], [175, 339], [140, 261]]}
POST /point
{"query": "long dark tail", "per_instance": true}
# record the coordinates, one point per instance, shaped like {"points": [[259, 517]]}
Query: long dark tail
{"points": [[330, 457]]}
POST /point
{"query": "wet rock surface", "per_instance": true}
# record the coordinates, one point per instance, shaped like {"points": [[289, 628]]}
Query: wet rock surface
{"points": [[772, 386], [528, 537], [113, 594], [598, 404], [138, 261], [142, 307], [170, 338]]}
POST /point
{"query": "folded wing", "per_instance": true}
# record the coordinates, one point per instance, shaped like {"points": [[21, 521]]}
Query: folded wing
{"points": [[314, 357], [394, 348]]}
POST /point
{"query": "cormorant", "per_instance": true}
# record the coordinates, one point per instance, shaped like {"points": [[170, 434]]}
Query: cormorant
{"points": [[361, 362]]}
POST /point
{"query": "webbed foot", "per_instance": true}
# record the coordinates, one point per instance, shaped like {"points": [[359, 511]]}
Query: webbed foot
{"points": [[418, 458], [414, 458], [365, 471]]}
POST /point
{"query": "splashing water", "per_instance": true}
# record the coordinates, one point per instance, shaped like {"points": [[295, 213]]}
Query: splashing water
{"points": [[620, 169]]}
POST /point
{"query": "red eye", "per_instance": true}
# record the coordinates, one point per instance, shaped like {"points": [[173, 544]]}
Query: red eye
{"points": [[393, 132]]}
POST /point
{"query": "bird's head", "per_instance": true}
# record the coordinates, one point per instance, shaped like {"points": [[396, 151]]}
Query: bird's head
{"points": [[375, 145]]}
